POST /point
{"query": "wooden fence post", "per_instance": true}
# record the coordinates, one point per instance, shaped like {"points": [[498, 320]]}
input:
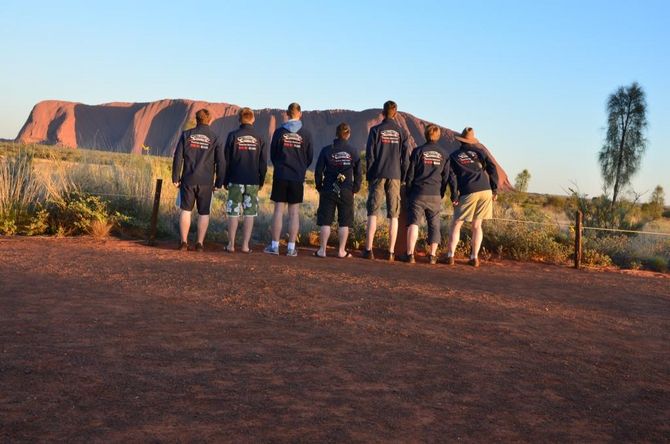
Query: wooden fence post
{"points": [[578, 239], [154, 212]]}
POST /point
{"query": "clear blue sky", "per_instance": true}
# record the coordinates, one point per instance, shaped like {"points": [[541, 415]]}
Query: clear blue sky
{"points": [[531, 77]]}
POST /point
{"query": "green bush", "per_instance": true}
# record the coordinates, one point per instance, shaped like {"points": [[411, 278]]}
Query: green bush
{"points": [[74, 212]]}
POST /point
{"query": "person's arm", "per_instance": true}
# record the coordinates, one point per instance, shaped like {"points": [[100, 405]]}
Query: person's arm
{"points": [[177, 161], [370, 153], [446, 167], [453, 184], [409, 175], [228, 155], [318, 171], [492, 172], [274, 148], [404, 156], [309, 150], [220, 163], [263, 164], [358, 174]]}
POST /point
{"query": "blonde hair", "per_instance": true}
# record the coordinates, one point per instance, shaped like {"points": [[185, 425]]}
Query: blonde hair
{"points": [[432, 133]]}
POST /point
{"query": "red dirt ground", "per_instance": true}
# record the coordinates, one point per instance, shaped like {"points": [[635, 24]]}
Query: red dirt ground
{"points": [[116, 341]]}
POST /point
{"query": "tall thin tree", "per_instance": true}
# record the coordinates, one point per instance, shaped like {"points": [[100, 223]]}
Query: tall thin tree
{"points": [[625, 142]]}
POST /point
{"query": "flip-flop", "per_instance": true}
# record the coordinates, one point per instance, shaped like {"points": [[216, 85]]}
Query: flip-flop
{"points": [[249, 251], [346, 256], [228, 250], [316, 254]]}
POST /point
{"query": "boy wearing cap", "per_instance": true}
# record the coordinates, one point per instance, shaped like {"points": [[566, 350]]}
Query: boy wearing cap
{"points": [[476, 189]]}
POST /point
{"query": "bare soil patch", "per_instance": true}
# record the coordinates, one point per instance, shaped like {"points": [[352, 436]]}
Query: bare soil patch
{"points": [[116, 341]]}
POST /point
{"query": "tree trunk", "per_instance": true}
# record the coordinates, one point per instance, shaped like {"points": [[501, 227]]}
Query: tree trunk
{"points": [[615, 189]]}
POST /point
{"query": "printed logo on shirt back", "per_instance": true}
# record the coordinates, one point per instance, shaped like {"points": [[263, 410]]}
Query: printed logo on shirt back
{"points": [[467, 158], [199, 141], [291, 140], [431, 158], [341, 159], [390, 137], [247, 143]]}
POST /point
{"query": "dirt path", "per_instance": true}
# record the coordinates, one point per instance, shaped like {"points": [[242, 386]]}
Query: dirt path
{"points": [[115, 341]]}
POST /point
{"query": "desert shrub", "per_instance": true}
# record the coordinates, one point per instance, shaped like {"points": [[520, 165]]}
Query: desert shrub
{"points": [[595, 258], [75, 212], [20, 192], [656, 263], [526, 242]]}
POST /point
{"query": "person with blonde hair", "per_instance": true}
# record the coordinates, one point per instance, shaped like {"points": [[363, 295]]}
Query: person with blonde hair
{"points": [[246, 166], [475, 191], [427, 178]]}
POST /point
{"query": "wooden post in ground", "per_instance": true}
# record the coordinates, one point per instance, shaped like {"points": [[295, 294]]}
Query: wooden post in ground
{"points": [[578, 239], [154, 212]]}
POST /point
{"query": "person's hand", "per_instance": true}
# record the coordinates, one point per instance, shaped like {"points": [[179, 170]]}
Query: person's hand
{"points": [[495, 197], [176, 184], [217, 188], [454, 202]]}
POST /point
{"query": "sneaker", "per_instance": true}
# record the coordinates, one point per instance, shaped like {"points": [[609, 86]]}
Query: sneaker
{"points": [[409, 258], [199, 247], [270, 250], [450, 260], [292, 253], [368, 254], [433, 259], [183, 246], [474, 262], [391, 257]]}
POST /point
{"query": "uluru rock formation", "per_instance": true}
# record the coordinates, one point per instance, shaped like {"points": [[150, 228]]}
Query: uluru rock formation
{"points": [[126, 127]]}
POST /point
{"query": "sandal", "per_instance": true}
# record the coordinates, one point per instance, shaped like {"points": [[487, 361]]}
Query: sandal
{"points": [[249, 251], [316, 254], [228, 250], [346, 256]]}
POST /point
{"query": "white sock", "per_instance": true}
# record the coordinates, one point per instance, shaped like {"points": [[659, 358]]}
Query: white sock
{"points": [[275, 244], [291, 245]]}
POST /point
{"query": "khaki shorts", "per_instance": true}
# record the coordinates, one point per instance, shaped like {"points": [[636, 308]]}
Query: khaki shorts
{"points": [[376, 190], [242, 200], [478, 205]]}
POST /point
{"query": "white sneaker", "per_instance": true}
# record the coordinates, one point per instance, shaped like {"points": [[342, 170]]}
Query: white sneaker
{"points": [[270, 250], [292, 253]]}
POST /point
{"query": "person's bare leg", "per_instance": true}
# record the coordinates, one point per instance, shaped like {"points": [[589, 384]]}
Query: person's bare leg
{"points": [[412, 236], [277, 217], [247, 228], [454, 236], [477, 237], [393, 233], [433, 249], [370, 233], [343, 235], [323, 239], [203, 222], [293, 221], [232, 231], [184, 225]]}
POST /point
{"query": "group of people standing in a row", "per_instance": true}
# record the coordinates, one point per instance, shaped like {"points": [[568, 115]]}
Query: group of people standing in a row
{"points": [[203, 163]]}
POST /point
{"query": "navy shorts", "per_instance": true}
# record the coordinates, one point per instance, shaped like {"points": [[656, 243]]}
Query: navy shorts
{"points": [[288, 191], [196, 194]]}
